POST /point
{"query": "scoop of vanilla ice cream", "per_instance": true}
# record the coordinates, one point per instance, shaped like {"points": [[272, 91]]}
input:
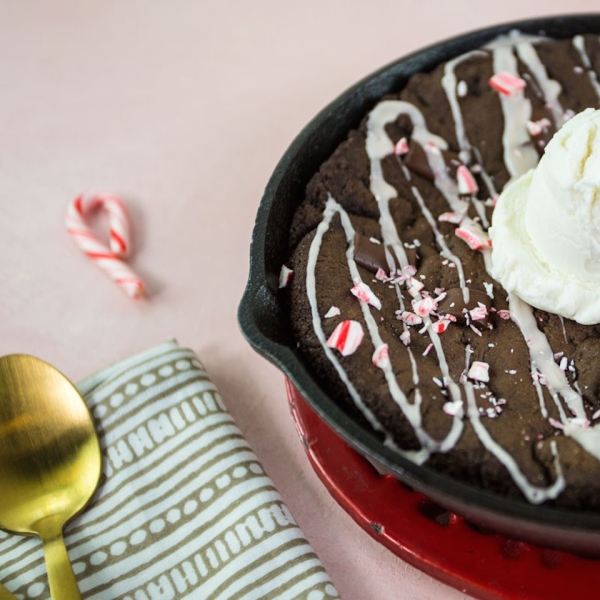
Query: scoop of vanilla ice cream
{"points": [[563, 206], [546, 226]]}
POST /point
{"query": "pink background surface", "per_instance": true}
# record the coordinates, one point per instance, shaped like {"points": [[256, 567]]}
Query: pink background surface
{"points": [[184, 109]]}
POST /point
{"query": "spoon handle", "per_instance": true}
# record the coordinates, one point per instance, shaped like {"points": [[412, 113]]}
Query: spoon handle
{"points": [[61, 578]]}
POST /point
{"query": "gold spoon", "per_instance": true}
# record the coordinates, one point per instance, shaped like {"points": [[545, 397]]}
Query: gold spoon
{"points": [[5, 594], [50, 461]]}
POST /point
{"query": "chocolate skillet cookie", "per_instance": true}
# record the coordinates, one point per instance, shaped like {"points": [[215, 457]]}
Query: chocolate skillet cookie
{"points": [[391, 299]]}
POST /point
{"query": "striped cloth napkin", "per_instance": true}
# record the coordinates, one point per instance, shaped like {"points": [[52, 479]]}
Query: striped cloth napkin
{"points": [[184, 510]]}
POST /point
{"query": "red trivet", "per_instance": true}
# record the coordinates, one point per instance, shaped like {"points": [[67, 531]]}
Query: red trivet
{"points": [[487, 566]]}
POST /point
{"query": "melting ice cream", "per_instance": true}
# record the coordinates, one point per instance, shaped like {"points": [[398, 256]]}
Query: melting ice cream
{"points": [[546, 226]]}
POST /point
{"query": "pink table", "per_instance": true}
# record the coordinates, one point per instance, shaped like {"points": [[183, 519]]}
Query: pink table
{"points": [[184, 108]]}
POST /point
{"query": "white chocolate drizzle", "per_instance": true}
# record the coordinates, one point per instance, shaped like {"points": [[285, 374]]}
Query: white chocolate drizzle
{"points": [[442, 180], [534, 494], [439, 238], [311, 291], [450, 84], [538, 389], [579, 44], [588, 438], [413, 362], [519, 156], [542, 356], [412, 411], [379, 146], [550, 88]]}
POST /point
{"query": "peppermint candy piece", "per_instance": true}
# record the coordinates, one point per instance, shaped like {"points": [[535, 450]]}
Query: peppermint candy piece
{"points": [[440, 326], [401, 148], [454, 409], [346, 337], [410, 318], [537, 127], [334, 311], [471, 233], [451, 217], [364, 293], [479, 371], [424, 307], [507, 83], [285, 276], [466, 181], [479, 313], [381, 356]]}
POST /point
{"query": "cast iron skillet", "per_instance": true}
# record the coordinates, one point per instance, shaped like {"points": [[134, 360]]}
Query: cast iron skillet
{"points": [[264, 321]]}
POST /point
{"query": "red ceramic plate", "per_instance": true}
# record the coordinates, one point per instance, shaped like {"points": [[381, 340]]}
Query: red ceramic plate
{"points": [[486, 565]]}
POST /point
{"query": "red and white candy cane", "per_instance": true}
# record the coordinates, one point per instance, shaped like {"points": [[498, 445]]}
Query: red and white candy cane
{"points": [[109, 259]]}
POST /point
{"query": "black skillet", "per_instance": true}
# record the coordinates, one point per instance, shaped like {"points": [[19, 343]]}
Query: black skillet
{"points": [[264, 321]]}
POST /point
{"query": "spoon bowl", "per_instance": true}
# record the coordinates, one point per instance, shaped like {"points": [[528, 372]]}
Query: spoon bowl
{"points": [[50, 460]]}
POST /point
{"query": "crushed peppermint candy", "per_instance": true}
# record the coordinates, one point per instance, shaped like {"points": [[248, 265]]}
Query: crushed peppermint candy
{"points": [[415, 284], [381, 356], [427, 350], [466, 181], [479, 371], [504, 314], [401, 147], [451, 217], [410, 318], [507, 83], [471, 233], [489, 289], [454, 409], [440, 326], [334, 311], [381, 275], [537, 127], [479, 313], [410, 270], [364, 293], [346, 337], [285, 276], [405, 337], [424, 307]]}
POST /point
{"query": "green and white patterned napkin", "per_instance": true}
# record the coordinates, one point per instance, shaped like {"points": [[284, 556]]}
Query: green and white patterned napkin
{"points": [[184, 510]]}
